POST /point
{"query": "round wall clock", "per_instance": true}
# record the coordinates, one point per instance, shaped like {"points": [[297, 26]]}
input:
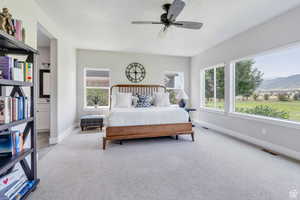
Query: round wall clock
{"points": [[135, 72]]}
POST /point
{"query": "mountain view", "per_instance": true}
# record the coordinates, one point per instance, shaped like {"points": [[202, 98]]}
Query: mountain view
{"points": [[290, 82]]}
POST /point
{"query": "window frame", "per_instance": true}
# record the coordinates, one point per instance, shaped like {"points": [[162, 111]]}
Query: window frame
{"points": [[203, 87], [263, 119], [175, 89], [85, 107]]}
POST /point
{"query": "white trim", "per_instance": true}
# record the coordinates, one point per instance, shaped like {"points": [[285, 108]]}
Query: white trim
{"points": [[274, 147], [63, 135], [203, 86], [85, 107], [215, 87], [268, 120], [232, 112], [212, 110]]}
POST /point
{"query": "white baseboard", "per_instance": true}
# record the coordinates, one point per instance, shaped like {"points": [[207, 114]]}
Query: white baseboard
{"points": [[273, 147], [63, 135]]}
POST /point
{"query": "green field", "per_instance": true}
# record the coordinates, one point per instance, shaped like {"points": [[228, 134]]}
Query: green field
{"points": [[292, 107]]}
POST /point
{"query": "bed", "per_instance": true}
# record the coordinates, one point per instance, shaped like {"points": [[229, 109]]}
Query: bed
{"points": [[133, 123]]}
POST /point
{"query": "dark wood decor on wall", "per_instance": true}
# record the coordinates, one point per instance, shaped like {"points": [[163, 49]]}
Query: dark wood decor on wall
{"points": [[135, 72], [44, 83]]}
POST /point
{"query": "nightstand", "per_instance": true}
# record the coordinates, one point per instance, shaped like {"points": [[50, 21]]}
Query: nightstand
{"points": [[190, 110]]}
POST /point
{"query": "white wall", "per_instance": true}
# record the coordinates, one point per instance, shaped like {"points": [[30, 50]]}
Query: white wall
{"points": [[31, 14], [117, 62], [278, 32]]}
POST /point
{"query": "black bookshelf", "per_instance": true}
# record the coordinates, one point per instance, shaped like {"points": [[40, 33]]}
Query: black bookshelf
{"points": [[4, 82], [7, 163], [9, 45]]}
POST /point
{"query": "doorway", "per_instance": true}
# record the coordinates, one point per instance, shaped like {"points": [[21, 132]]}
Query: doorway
{"points": [[45, 63]]}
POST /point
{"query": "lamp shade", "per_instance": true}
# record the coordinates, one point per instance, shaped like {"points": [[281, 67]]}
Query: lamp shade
{"points": [[182, 95]]}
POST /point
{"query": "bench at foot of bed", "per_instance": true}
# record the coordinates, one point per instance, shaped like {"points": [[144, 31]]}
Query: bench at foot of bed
{"points": [[147, 131]]}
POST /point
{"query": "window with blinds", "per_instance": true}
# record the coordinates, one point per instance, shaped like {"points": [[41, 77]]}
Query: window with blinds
{"points": [[97, 86]]}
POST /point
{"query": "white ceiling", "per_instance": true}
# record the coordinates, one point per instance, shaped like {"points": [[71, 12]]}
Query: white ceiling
{"points": [[105, 24]]}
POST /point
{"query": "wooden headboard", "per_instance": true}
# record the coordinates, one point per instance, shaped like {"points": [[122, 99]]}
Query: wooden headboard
{"points": [[137, 89]]}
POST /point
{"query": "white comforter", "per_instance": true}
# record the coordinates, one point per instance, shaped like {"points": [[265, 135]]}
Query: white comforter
{"points": [[146, 116]]}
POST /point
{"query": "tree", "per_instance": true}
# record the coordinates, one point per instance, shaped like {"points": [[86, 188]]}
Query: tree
{"points": [[248, 78], [97, 97], [209, 84], [266, 97], [220, 82]]}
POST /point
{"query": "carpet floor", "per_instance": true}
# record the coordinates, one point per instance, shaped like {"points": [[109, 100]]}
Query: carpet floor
{"points": [[215, 167]]}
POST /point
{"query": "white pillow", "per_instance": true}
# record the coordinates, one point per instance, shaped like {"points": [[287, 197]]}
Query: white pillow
{"points": [[123, 100], [162, 99]]}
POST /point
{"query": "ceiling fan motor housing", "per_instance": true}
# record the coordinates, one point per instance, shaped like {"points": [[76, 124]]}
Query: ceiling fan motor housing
{"points": [[164, 16], [164, 19]]}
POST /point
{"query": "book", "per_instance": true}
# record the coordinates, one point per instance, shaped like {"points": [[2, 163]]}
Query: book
{"points": [[14, 69], [6, 64], [25, 189], [6, 144], [5, 109], [14, 115], [28, 73], [18, 144], [9, 181]]}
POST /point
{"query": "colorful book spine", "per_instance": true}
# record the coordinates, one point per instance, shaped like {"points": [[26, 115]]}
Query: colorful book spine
{"points": [[5, 110], [9, 183], [6, 64], [13, 69], [28, 70], [6, 144]]}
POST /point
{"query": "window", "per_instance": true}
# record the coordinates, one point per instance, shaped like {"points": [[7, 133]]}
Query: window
{"points": [[173, 81], [269, 85], [97, 86], [214, 81]]}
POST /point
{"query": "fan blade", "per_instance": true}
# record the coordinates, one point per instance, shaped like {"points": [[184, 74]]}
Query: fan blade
{"points": [[189, 25], [175, 9], [145, 22]]}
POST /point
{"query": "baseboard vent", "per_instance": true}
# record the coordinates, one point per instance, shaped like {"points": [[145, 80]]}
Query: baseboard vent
{"points": [[270, 152]]}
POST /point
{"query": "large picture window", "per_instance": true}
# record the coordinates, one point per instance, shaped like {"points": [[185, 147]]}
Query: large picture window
{"points": [[269, 85], [97, 86], [173, 81], [214, 87]]}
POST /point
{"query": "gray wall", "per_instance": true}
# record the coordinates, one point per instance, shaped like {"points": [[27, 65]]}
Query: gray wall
{"points": [[117, 62], [278, 32]]}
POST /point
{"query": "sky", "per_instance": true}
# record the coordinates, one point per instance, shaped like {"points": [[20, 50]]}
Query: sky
{"points": [[281, 63]]}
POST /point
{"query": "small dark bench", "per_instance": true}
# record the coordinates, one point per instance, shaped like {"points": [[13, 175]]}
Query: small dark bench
{"points": [[91, 121]]}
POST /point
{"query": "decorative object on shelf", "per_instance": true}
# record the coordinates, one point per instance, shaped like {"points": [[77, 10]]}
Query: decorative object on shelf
{"points": [[23, 35], [135, 72], [182, 96], [44, 83], [6, 22]]}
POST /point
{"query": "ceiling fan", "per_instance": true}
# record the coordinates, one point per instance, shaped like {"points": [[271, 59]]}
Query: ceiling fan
{"points": [[169, 18]]}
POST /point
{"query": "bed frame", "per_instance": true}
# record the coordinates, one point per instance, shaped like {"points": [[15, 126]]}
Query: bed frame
{"points": [[144, 131]]}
